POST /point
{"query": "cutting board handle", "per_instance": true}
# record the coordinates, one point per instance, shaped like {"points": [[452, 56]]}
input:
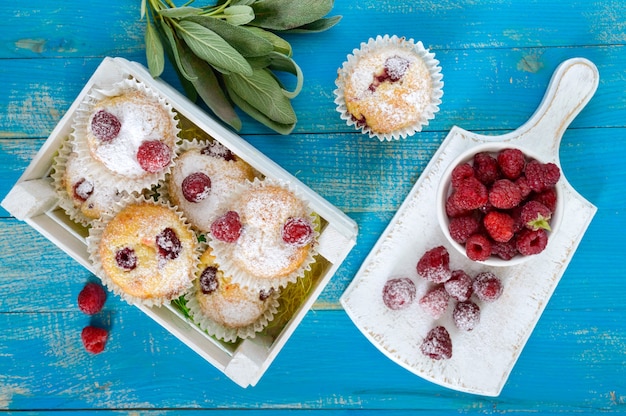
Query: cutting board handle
{"points": [[572, 85]]}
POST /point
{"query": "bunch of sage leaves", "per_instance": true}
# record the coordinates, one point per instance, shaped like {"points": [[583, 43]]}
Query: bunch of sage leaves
{"points": [[229, 54]]}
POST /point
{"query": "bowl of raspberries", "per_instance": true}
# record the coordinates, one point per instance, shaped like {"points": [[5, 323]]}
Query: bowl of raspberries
{"points": [[499, 204]]}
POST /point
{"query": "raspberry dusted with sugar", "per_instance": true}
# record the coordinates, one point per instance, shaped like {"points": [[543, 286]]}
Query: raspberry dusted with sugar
{"points": [[511, 162], [462, 227], [126, 258], [398, 293], [499, 225], [227, 228], [94, 339], [105, 126], [437, 344], [486, 168], [535, 216], [396, 67], [531, 242], [153, 156], [434, 265], [466, 315], [196, 187], [91, 298], [435, 301], [542, 176], [208, 280], [217, 149], [506, 251], [487, 286], [478, 247], [297, 232], [505, 194], [459, 286], [169, 244]]}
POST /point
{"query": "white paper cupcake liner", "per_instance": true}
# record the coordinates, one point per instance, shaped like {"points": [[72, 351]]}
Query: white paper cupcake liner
{"points": [[229, 255], [134, 182], [95, 236], [382, 44]]}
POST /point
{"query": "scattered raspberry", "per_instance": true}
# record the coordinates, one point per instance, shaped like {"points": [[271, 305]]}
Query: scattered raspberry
{"points": [[297, 232], [531, 242], [463, 226], [227, 228], [547, 198], [471, 194], [217, 149], [486, 168], [435, 301], [196, 187], [94, 339], [487, 286], [126, 258], [91, 298], [511, 162], [499, 225], [105, 126], [434, 265], [459, 286], [83, 189], [506, 251], [505, 194], [542, 176], [460, 173], [478, 247], [153, 156], [437, 344], [208, 280], [398, 293], [168, 243], [536, 216], [466, 315]]}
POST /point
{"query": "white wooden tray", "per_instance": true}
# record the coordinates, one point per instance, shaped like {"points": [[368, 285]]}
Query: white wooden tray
{"points": [[483, 358]]}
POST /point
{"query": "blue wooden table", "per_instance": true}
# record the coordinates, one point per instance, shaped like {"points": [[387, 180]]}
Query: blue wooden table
{"points": [[497, 58]]}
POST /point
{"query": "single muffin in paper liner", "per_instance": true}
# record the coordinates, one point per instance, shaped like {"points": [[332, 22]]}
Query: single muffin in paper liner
{"points": [[225, 309], [127, 135], [265, 236], [81, 195], [203, 178], [389, 88], [144, 251]]}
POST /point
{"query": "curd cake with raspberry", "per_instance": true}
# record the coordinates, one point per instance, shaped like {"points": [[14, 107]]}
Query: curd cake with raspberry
{"points": [[225, 309], [265, 235], [145, 252], [127, 135], [203, 177], [389, 88]]}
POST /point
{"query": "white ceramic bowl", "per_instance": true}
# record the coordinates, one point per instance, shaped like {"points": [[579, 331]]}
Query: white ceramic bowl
{"points": [[444, 191]]}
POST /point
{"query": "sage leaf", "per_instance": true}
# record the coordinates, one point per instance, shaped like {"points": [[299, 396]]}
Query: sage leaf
{"points": [[284, 63], [190, 90], [263, 92], [280, 45], [142, 9], [173, 42], [209, 89], [260, 117], [242, 2], [209, 46], [319, 25], [247, 43], [179, 12], [239, 15], [154, 51], [288, 14]]}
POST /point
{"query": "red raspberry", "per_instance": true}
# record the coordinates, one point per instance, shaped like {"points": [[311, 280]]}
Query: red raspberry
{"points": [[94, 339], [547, 198], [460, 173], [487, 286], [466, 315], [435, 301], [396, 67], [542, 176], [169, 244], [105, 126], [217, 149], [505, 251], [499, 225], [511, 162], [196, 187], [471, 194], [505, 194], [91, 298], [437, 344], [83, 189], [297, 232], [486, 168], [462, 227], [126, 258], [459, 286], [452, 210], [153, 156], [535, 215], [522, 183], [398, 293], [478, 247], [208, 280], [434, 265], [529, 242], [227, 228]]}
